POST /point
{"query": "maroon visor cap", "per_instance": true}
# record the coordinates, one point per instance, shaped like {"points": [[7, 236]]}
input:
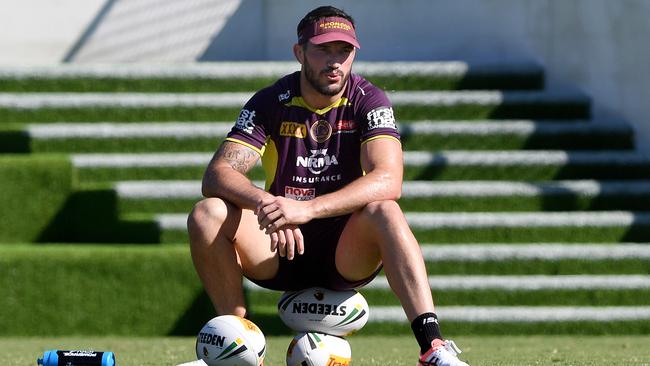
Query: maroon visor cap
{"points": [[329, 30]]}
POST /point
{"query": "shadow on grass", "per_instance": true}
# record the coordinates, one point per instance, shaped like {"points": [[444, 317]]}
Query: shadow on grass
{"points": [[90, 216]]}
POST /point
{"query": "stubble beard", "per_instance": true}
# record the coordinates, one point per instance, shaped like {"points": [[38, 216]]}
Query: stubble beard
{"points": [[324, 88]]}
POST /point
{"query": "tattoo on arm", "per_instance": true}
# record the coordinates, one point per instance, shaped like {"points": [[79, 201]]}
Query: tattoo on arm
{"points": [[240, 158]]}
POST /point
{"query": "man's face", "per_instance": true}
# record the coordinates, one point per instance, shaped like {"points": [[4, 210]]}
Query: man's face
{"points": [[327, 66]]}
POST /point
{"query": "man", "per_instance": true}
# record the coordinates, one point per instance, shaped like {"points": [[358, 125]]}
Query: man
{"points": [[329, 216]]}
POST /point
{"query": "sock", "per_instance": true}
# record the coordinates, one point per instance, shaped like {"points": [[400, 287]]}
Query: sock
{"points": [[425, 328]]}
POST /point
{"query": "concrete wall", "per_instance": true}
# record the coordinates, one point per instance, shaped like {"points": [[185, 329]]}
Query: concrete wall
{"points": [[598, 45]]}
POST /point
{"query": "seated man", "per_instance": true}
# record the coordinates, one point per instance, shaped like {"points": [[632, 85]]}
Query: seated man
{"points": [[328, 217]]}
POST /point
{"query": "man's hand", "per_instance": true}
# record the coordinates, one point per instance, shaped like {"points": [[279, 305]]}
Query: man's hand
{"points": [[279, 217], [288, 241]]}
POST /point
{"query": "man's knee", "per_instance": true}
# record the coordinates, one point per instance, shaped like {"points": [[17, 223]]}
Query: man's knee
{"points": [[380, 211], [207, 211]]}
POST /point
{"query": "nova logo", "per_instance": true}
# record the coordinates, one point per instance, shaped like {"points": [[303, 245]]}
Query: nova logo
{"points": [[300, 194], [318, 161]]}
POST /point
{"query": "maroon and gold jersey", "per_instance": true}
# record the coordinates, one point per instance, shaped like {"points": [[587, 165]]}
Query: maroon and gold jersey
{"points": [[309, 152]]}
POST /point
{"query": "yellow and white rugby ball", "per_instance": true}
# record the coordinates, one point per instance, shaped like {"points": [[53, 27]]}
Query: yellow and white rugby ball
{"points": [[317, 349], [229, 340]]}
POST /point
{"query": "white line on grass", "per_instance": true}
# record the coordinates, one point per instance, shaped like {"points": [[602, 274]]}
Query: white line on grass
{"points": [[243, 69], [520, 313], [411, 158], [163, 189], [466, 220], [128, 130], [511, 127], [529, 282], [140, 160], [518, 283], [528, 189], [237, 99], [543, 251], [519, 158], [219, 129], [416, 189], [522, 283]]}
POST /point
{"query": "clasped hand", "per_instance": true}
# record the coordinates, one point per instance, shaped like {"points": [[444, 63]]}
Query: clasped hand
{"points": [[279, 217]]}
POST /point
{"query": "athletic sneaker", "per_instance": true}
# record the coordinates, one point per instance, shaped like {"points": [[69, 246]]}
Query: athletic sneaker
{"points": [[441, 353]]}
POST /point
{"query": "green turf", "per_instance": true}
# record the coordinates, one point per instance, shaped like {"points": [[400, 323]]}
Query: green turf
{"points": [[154, 173], [538, 266], [434, 172], [19, 141], [32, 191], [525, 172], [404, 112], [560, 202], [449, 297], [533, 80], [125, 145], [566, 202], [395, 350], [616, 234], [98, 289]]}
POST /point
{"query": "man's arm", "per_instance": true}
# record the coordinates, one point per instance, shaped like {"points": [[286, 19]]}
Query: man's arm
{"points": [[381, 159], [225, 176]]}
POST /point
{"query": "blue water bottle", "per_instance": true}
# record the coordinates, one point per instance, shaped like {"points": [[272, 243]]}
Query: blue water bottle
{"points": [[76, 358]]}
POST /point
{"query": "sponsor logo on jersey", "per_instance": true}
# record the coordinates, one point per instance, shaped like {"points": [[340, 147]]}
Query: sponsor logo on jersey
{"points": [[285, 96], [382, 117], [317, 179], [317, 162], [343, 126], [299, 194], [320, 131], [293, 129], [245, 121]]}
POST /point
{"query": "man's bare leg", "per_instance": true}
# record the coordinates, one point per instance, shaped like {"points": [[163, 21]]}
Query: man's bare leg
{"points": [[225, 244], [379, 232]]}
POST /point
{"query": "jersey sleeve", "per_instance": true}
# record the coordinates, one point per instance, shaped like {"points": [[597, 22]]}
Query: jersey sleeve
{"points": [[376, 115], [250, 129]]}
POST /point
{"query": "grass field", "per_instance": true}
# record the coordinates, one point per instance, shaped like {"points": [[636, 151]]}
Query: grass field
{"points": [[366, 350]]}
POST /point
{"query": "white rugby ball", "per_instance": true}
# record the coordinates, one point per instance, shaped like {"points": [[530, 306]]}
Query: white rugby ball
{"points": [[317, 349], [229, 340], [317, 309]]}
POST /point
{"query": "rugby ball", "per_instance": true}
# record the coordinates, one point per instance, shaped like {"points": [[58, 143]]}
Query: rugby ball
{"points": [[317, 309], [317, 349], [229, 340]]}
